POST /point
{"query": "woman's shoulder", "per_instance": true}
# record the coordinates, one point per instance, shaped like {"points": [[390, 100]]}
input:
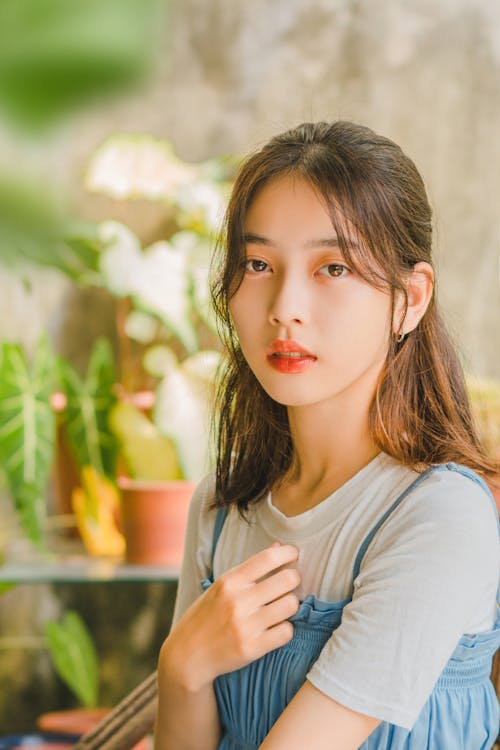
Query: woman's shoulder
{"points": [[201, 515], [454, 492], [450, 507], [204, 494]]}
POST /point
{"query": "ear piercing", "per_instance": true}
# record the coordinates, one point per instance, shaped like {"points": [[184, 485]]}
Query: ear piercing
{"points": [[400, 336]]}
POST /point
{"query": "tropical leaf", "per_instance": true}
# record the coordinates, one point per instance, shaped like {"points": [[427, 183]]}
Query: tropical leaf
{"points": [[76, 253], [34, 231], [147, 453], [89, 400], [27, 430], [74, 656]]}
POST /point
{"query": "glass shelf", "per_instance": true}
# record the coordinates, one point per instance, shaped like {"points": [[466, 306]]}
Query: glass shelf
{"points": [[65, 560], [83, 570]]}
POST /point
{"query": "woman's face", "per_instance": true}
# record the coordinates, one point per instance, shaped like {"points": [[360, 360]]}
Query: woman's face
{"points": [[311, 329]]}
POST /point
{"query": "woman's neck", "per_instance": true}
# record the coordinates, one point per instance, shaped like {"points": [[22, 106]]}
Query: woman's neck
{"points": [[331, 444]]}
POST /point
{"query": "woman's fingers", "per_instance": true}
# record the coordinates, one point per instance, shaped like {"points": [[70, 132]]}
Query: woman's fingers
{"points": [[263, 563], [277, 611], [276, 636], [273, 587], [242, 616]]}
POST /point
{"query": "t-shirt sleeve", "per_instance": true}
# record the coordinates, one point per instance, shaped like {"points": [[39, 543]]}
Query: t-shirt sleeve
{"points": [[196, 560], [421, 581]]}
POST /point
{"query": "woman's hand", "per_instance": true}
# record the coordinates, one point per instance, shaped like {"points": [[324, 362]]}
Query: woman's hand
{"points": [[241, 617]]}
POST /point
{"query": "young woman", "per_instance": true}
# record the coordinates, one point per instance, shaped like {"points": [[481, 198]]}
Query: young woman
{"points": [[349, 561]]}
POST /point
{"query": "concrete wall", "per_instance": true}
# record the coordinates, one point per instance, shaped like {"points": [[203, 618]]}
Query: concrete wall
{"points": [[426, 74], [233, 73]]}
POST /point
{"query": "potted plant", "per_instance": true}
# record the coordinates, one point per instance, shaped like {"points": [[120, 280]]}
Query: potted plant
{"points": [[168, 350], [38, 397], [164, 323], [75, 660], [163, 434]]}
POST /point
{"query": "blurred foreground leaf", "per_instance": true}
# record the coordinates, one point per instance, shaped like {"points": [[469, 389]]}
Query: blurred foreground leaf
{"points": [[57, 55], [34, 230]]}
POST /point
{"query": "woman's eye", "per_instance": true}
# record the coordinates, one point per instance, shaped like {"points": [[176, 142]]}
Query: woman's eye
{"points": [[256, 266], [334, 270]]}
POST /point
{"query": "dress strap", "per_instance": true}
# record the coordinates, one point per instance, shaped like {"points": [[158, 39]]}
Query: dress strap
{"points": [[441, 467], [220, 519]]}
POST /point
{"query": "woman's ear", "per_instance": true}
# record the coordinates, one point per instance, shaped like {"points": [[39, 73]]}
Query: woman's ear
{"points": [[419, 288]]}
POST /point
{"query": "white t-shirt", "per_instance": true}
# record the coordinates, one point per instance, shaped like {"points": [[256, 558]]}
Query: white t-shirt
{"points": [[429, 576]]}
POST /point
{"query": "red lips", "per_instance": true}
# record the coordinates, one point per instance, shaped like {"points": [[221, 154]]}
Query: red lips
{"points": [[289, 357], [285, 346]]}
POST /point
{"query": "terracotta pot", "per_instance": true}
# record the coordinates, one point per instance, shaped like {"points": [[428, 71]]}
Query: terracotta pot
{"points": [[154, 518], [78, 721], [71, 721]]}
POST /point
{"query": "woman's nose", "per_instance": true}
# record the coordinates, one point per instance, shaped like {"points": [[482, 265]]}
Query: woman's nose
{"points": [[288, 304]]}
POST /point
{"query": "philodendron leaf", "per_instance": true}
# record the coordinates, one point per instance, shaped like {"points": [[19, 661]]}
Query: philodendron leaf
{"points": [[74, 656], [183, 411], [88, 403], [147, 453], [27, 430]]}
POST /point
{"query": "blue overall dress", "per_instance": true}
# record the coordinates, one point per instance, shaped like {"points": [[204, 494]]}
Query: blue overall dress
{"points": [[462, 712]]}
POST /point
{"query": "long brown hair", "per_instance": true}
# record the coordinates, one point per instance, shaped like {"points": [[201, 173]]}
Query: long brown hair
{"points": [[421, 413]]}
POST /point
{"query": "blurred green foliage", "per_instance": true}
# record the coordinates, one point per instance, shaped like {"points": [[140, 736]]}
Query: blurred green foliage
{"points": [[57, 55], [74, 656]]}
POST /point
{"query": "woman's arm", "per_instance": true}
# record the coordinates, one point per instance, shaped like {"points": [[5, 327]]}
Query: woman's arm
{"points": [[243, 615], [186, 718], [313, 719]]}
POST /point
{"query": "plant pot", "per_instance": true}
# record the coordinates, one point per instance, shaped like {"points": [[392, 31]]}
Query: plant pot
{"points": [[78, 721], [154, 519], [71, 721]]}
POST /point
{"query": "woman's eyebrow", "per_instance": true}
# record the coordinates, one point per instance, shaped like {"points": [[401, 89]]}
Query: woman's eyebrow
{"points": [[256, 239], [250, 238]]}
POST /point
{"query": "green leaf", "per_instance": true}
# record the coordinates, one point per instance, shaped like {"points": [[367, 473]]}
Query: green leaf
{"points": [[89, 401], [27, 430], [34, 231], [56, 56], [74, 656], [76, 253], [30, 220]]}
